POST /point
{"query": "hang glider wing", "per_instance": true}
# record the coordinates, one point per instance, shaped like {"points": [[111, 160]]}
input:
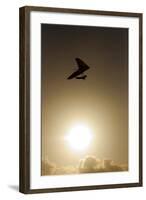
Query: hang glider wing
{"points": [[81, 64], [82, 68]]}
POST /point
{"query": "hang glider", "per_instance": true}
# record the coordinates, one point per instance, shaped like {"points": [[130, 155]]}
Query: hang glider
{"points": [[82, 67]]}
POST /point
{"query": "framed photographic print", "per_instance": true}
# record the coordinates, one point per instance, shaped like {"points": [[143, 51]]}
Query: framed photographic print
{"points": [[80, 99]]}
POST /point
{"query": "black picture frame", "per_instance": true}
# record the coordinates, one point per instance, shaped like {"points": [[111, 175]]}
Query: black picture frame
{"points": [[24, 142]]}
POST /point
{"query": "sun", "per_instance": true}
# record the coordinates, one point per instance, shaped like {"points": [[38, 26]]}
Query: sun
{"points": [[79, 137]]}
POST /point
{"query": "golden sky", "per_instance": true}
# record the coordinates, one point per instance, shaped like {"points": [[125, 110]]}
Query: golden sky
{"points": [[100, 101]]}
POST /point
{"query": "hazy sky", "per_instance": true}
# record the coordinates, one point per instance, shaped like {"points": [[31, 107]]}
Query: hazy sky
{"points": [[100, 101]]}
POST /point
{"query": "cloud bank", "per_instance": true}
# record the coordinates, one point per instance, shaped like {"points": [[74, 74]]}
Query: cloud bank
{"points": [[89, 164]]}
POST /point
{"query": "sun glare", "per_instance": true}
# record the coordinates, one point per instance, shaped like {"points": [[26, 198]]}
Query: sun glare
{"points": [[79, 137]]}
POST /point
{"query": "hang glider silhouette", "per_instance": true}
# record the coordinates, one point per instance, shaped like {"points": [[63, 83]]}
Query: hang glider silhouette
{"points": [[82, 67]]}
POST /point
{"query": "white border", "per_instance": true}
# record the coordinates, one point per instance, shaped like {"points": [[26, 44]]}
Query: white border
{"points": [[132, 176]]}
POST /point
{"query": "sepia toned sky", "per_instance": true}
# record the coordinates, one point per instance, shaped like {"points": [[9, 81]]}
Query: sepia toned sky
{"points": [[100, 101]]}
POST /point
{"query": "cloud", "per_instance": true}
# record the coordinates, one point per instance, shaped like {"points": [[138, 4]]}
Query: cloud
{"points": [[110, 166], [48, 168], [66, 170], [89, 164]]}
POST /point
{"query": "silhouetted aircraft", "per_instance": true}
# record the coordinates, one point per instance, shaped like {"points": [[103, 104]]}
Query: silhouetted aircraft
{"points": [[82, 67]]}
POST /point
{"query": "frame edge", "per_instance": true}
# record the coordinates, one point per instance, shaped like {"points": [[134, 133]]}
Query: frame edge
{"points": [[140, 99], [24, 96], [81, 11]]}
